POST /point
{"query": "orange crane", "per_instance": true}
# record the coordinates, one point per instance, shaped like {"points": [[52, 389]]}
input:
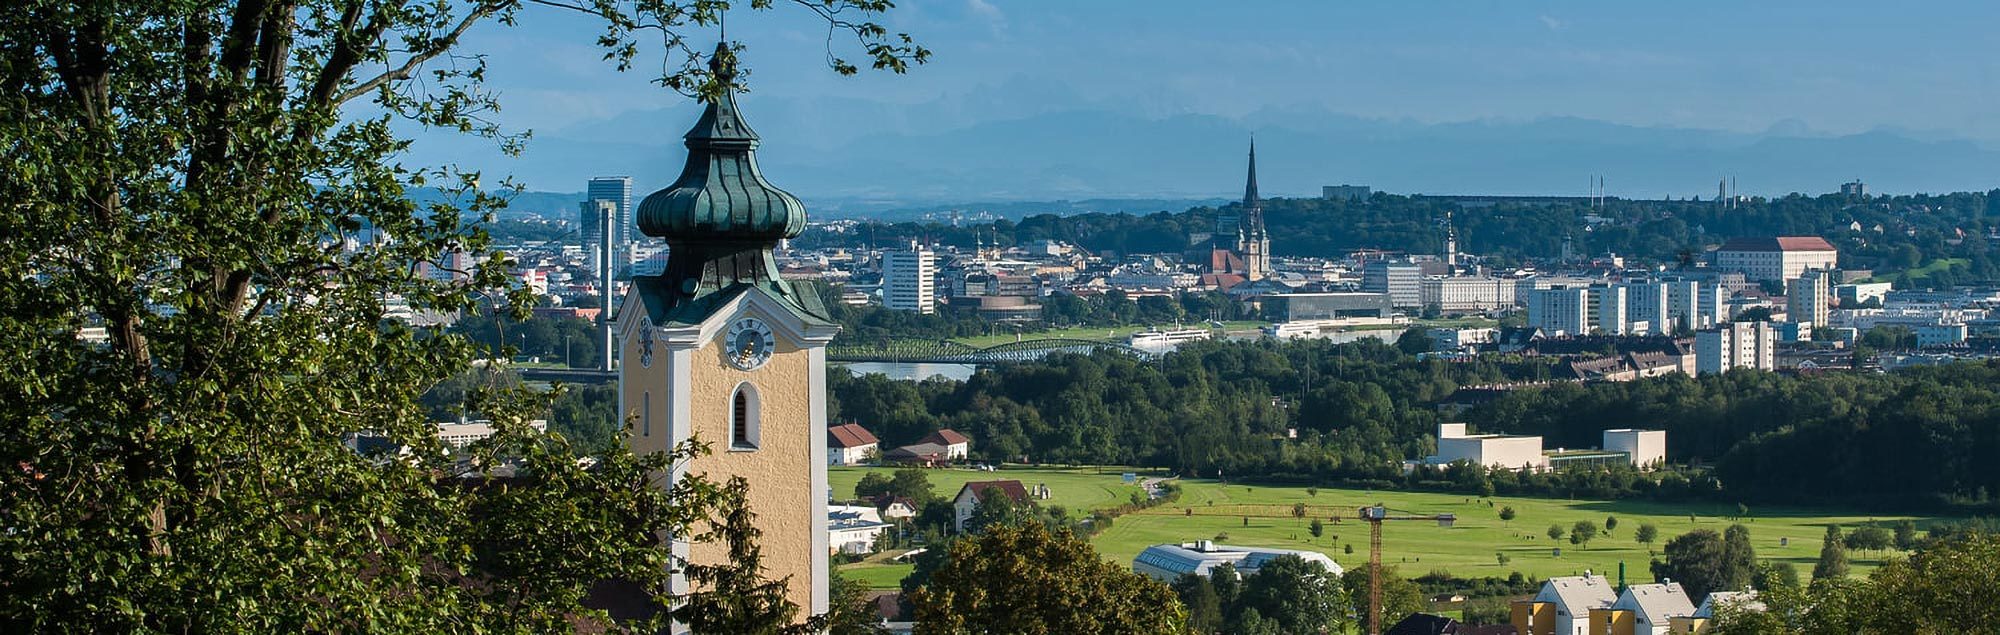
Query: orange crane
{"points": [[1375, 516]]}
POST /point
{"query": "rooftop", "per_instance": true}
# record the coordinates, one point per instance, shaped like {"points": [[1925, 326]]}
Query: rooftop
{"points": [[1779, 243]]}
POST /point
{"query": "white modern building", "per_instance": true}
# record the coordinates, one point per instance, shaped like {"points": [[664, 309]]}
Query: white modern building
{"points": [[1781, 258], [1809, 297], [853, 528], [1503, 451], [1736, 345], [1403, 281], [1466, 293], [1647, 448], [459, 435], [618, 191], [909, 279], [1167, 563], [1597, 310]]}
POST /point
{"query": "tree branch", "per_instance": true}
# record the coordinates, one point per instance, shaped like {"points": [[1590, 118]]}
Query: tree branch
{"points": [[438, 47]]}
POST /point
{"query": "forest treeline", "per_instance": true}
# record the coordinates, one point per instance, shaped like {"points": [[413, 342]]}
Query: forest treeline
{"points": [[1310, 411], [1915, 229]]}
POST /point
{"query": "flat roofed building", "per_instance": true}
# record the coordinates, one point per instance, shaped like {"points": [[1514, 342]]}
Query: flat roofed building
{"points": [[1467, 293], [1647, 448], [459, 435], [1779, 258], [1736, 345], [1302, 307], [1493, 450], [1403, 281], [1170, 561]]}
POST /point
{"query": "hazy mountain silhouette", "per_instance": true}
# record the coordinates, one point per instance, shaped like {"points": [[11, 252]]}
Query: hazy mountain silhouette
{"points": [[926, 156]]}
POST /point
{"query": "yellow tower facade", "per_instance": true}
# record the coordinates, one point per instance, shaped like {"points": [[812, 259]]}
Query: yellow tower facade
{"points": [[718, 347]]}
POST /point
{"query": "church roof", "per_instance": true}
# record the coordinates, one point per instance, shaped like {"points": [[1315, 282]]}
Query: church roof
{"points": [[721, 220]]}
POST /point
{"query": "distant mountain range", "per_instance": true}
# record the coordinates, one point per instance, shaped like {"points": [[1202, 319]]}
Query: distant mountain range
{"points": [[826, 154]]}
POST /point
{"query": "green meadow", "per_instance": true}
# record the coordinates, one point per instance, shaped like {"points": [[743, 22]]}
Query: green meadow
{"points": [[1262, 516]]}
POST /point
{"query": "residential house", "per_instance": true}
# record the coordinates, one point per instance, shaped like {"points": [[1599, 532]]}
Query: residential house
{"points": [[853, 528], [895, 507], [972, 493], [849, 444], [1563, 606], [1426, 624], [920, 454], [1644, 609]]}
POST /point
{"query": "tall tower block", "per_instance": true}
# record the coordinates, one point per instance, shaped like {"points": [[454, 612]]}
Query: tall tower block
{"points": [[718, 347]]}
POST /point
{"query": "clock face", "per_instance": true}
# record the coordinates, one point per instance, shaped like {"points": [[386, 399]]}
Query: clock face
{"points": [[749, 343]]}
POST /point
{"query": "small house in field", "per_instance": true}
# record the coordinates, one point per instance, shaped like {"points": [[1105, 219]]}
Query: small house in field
{"points": [[849, 444]]}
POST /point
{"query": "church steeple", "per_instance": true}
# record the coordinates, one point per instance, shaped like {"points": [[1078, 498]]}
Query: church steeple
{"points": [[721, 218], [1252, 241]]}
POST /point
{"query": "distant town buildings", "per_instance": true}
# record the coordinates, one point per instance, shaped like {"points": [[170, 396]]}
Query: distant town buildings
{"points": [[1345, 192], [1402, 281], [616, 190], [909, 279], [1781, 258], [1809, 298]]}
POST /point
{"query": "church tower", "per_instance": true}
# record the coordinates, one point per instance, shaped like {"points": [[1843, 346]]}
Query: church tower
{"points": [[1251, 239], [718, 347]]}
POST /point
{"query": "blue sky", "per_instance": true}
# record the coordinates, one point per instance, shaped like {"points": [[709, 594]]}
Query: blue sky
{"points": [[1798, 68]]}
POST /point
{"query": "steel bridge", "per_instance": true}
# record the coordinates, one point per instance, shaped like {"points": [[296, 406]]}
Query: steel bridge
{"points": [[949, 352]]}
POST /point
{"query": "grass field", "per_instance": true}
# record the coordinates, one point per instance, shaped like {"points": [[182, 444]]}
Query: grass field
{"points": [[1208, 509], [1919, 274]]}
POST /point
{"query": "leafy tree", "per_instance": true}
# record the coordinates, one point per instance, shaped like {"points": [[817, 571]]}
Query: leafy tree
{"points": [[1204, 606], [914, 484], [1739, 559], [1582, 533], [1832, 556], [995, 509], [1610, 523], [1400, 596], [1299, 596], [1414, 341], [1507, 514], [1028, 579], [1316, 528], [1698, 560], [184, 175], [1927, 592], [850, 612], [1868, 538], [1646, 534], [1555, 532], [871, 485], [1906, 535]]}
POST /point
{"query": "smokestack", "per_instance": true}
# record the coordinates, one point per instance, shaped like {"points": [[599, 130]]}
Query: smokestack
{"points": [[606, 221]]}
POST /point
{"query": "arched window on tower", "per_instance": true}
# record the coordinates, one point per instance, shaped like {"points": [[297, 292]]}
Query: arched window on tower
{"points": [[743, 418]]}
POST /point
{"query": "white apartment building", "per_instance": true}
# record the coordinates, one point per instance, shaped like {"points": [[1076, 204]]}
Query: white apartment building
{"points": [[909, 279], [1466, 293], [1579, 311], [1647, 302], [1809, 297], [1781, 258], [1695, 304], [1736, 345]]}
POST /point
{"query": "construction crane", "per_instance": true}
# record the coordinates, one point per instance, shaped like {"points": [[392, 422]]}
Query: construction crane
{"points": [[1375, 516]]}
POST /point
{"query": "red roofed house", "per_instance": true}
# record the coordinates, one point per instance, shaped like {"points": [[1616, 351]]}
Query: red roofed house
{"points": [[1780, 258], [957, 446], [848, 444], [969, 496]]}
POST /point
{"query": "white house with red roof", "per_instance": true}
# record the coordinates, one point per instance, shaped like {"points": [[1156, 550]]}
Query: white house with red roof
{"points": [[971, 493], [849, 444]]}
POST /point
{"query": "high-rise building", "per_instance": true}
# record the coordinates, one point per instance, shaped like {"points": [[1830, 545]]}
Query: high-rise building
{"points": [[1808, 298], [617, 189], [1403, 281], [719, 347], [1736, 345], [593, 217], [909, 279], [1647, 302]]}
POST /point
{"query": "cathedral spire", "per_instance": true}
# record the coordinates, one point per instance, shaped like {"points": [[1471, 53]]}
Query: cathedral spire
{"points": [[1250, 200]]}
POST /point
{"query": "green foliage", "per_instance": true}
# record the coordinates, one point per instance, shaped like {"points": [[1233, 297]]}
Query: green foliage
{"points": [[1869, 538], [1296, 596], [1507, 514], [1027, 579], [1703, 561], [1582, 533], [1925, 594], [185, 176], [849, 611], [1646, 534], [732, 595], [1832, 556], [1610, 523], [1556, 532], [1400, 595]]}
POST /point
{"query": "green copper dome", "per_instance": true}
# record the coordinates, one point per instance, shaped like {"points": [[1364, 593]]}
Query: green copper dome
{"points": [[721, 195]]}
